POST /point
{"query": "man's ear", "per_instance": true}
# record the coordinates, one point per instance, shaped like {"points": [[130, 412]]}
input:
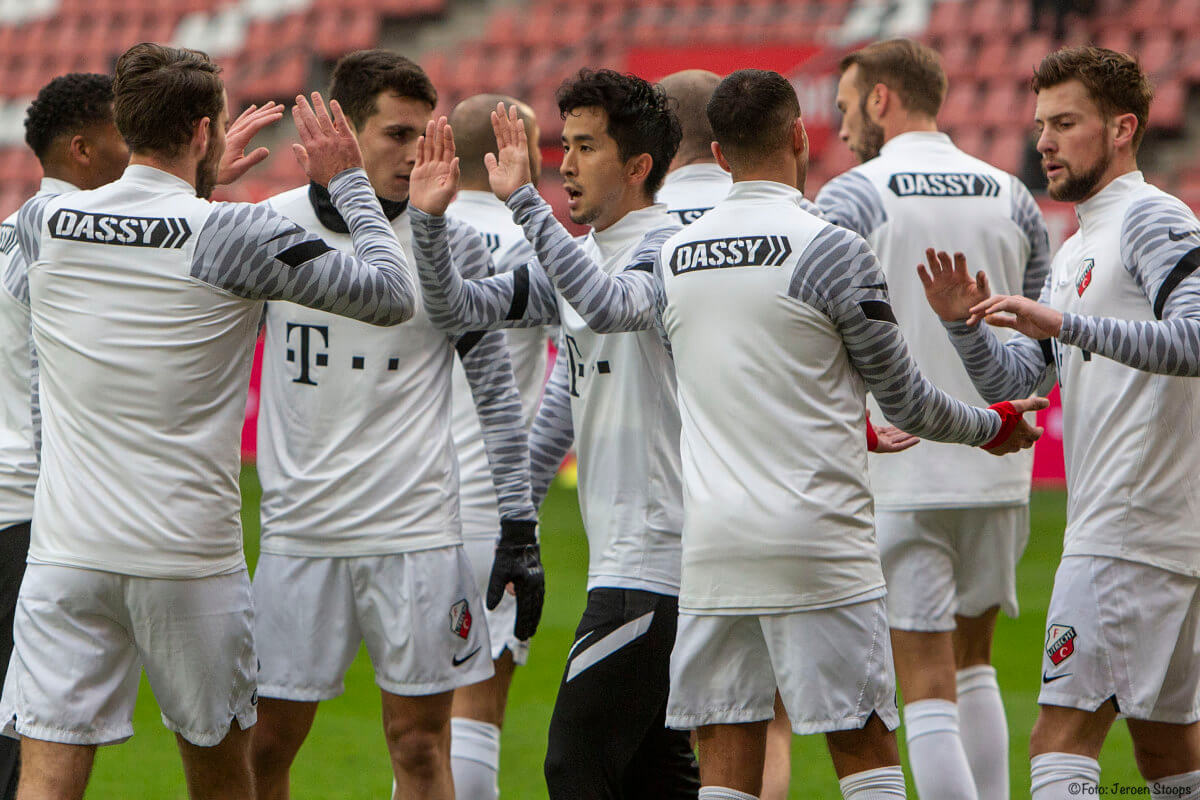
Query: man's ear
{"points": [[799, 139], [719, 155], [637, 169], [880, 99], [200, 136], [1125, 126], [80, 150]]}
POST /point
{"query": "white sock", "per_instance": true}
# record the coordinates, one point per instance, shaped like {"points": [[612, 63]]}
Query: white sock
{"points": [[1185, 784], [984, 730], [475, 759], [721, 793], [935, 751], [1063, 776], [885, 783]]}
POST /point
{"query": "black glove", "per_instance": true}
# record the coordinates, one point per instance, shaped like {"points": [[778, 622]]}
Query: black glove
{"points": [[518, 561]]}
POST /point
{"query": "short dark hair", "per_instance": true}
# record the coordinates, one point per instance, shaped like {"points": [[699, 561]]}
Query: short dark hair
{"points": [[752, 113], [360, 77], [67, 105], [1114, 81], [160, 93], [640, 119], [909, 69]]}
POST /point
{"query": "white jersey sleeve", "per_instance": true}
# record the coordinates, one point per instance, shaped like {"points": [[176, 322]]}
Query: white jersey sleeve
{"points": [[19, 431]]}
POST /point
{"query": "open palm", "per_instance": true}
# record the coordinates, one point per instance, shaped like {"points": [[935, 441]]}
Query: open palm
{"points": [[509, 170], [434, 180], [949, 288]]}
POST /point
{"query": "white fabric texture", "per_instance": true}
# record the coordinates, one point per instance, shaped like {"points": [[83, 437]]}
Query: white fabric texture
{"points": [[475, 759], [832, 667], [1186, 784], [419, 614], [935, 751], [193, 637], [723, 793], [1063, 776], [1123, 629], [983, 729], [885, 783]]}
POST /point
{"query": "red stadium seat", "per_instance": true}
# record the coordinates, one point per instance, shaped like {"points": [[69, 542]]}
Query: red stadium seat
{"points": [[1007, 150], [1170, 100], [1158, 53], [948, 19], [961, 106]]}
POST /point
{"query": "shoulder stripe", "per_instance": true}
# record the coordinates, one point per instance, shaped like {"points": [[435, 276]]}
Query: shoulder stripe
{"points": [[303, 252], [468, 341], [878, 310], [520, 296], [1185, 267]]}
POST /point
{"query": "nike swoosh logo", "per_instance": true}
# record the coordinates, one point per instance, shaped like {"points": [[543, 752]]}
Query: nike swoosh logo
{"points": [[458, 662], [1175, 237], [1047, 679]]}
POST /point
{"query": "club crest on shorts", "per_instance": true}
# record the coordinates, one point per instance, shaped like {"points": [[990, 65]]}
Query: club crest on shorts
{"points": [[1060, 643], [460, 619], [1084, 278]]}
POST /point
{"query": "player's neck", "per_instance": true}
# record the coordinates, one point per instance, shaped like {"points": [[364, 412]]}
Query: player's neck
{"points": [[475, 186], [907, 123], [780, 171], [1121, 165], [634, 201], [182, 168], [688, 160]]}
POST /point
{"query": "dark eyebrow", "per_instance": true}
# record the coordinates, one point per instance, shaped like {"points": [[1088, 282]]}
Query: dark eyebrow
{"points": [[581, 137], [399, 129]]}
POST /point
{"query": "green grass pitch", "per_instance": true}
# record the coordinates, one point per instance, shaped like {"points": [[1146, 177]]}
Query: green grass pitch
{"points": [[344, 756]]}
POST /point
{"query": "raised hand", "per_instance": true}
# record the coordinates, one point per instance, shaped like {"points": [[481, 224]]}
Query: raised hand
{"points": [[950, 290], [327, 145], [236, 161], [1030, 317], [509, 170], [1015, 433], [434, 180]]}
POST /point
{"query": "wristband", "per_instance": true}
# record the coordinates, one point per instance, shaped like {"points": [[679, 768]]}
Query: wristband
{"points": [[1008, 422], [518, 531], [872, 436]]}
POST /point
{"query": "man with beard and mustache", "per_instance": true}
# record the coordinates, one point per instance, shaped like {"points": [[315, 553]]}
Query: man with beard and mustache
{"points": [[952, 523], [145, 301], [1118, 324]]}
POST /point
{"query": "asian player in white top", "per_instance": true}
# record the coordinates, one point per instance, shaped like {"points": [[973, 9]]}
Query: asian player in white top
{"points": [[952, 522], [1118, 324], [145, 301]]}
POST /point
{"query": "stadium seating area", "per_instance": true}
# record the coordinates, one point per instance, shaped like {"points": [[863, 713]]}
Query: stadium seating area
{"points": [[274, 48]]}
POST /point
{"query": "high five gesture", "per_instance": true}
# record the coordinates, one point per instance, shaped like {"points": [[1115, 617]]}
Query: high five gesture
{"points": [[509, 170], [434, 180]]}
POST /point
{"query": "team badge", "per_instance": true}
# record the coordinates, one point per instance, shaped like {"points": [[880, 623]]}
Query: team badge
{"points": [[460, 619], [1084, 278], [1060, 643]]}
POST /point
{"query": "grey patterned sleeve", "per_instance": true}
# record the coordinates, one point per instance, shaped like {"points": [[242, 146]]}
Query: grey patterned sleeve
{"points": [[489, 372], [812, 208], [1028, 217], [522, 298], [553, 432], [29, 224], [16, 285], [255, 252], [1160, 246], [851, 201], [627, 301], [839, 275]]}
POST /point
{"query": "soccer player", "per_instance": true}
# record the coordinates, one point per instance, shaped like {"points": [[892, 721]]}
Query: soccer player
{"points": [[478, 710], [745, 576], [952, 522], [1118, 323], [613, 395], [145, 301], [69, 127], [361, 538]]}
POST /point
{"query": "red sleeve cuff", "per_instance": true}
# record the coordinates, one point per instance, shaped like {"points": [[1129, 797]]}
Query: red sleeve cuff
{"points": [[872, 437], [1008, 421]]}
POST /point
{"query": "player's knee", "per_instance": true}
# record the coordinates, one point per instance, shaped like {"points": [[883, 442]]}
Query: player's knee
{"points": [[1160, 756], [419, 751]]}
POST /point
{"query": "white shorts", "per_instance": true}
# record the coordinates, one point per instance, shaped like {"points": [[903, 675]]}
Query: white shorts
{"points": [[417, 612], [1124, 630], [500, 623], [943, 562], [832, 666], [83, 636]]}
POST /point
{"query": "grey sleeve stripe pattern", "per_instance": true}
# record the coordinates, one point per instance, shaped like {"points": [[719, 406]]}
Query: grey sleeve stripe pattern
{"points": [[494, 389], [851, 201], [29, 225], [1001, 370], [456, 305], [627, 301], [35, 399], [255, 252], [812, 208], [553, 432], [16, 277], [1160, 246], [1028, 217], [468, 251], [839, 275]]}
